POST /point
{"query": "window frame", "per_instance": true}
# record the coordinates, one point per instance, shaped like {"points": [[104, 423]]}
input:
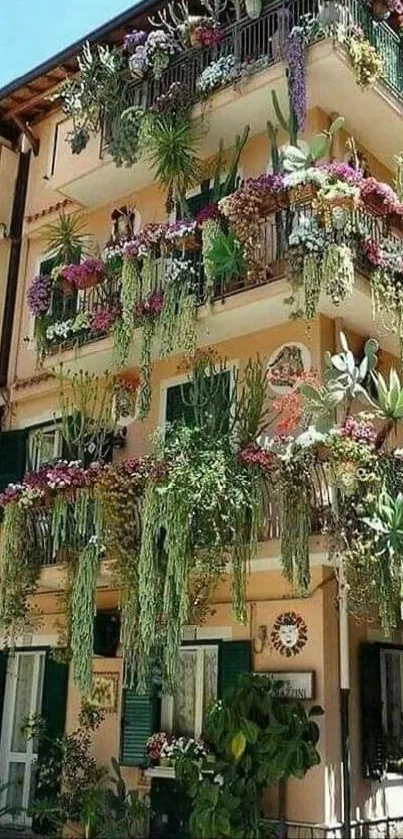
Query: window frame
{"points": [[33, 462], [167, 700]]}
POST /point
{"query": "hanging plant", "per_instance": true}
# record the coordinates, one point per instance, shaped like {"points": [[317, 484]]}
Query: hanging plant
{"points": [[83, 609], [338, 272]]}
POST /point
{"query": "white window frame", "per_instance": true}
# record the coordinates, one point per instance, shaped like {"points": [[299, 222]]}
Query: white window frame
{"points": [[8, 755], [167, 701], [34, 444], [384, 695], [182, 379]]}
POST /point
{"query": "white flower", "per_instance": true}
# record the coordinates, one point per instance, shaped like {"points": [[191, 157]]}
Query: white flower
{"points": [[309, 438], [219, 780]]}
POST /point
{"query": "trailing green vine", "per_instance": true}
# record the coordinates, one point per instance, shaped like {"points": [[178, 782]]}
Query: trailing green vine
{"points": [[83, 608]]}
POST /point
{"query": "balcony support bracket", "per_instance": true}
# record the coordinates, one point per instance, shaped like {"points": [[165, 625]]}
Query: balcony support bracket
{"points": [[28, 133]]}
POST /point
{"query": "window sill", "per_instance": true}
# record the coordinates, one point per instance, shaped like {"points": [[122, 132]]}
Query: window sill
{"points": [[161, 772]]}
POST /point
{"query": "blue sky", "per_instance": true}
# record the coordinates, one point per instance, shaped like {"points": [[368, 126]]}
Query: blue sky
{"points": [[33, 30]]}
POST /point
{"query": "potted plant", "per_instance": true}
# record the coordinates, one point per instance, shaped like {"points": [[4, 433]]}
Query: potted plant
{"points": [[86, 274], [329, 12]]}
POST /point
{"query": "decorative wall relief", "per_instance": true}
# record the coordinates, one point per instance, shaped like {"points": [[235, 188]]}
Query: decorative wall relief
{"points": [[285, 364], [104, 694], [289, 634]]}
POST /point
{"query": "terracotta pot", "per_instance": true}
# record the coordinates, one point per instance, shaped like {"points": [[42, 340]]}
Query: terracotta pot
{"points": [[89, 281], [380, 10]]}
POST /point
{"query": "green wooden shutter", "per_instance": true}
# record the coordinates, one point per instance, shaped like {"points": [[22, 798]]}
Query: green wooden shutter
{"points": [[3, 675], [139, 721], [53, 712], [177, 411], [373, 740], [13, 446], [235, 658]]}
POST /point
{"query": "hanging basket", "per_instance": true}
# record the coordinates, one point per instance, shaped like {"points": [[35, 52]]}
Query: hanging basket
{"points": [[89, 281]]}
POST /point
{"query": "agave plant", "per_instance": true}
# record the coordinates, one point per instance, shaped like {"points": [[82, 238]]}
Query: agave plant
{"points": [[344, 380], [226, 257], [387, 522], [66, 239]]}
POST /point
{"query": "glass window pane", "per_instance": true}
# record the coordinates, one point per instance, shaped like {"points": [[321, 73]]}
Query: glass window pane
{"points": [[185, 695], [22, 702], [210, 677], [15, 788]]}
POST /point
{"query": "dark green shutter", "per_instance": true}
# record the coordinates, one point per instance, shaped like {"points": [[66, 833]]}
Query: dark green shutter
{"points": [[13, 446], [373, 740], [177, 411], [53, 713], [235, 658], [139, 721], [3, 676]]}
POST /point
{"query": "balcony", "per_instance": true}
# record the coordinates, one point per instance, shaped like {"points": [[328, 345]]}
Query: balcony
{"points": [[41, 538], [236, 306], [257, 47]]}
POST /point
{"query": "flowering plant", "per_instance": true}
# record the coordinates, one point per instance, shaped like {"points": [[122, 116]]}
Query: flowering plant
{"points": [[103, 320], [337, 170], [181, 230], [205, 32], [253, 455], [86, 274], [308, 235], [155, 744], [151, 307], [217, 74], [134, 39], [191, 747], [296, 54], [160, 46], [112, 255], [383, 194], [39, 295], [367, 63]]}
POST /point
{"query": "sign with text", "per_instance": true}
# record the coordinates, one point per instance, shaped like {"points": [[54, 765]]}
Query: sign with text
{"points": [[295, 685]]}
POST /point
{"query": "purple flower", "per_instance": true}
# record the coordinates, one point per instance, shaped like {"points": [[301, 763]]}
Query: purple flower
{"points": [[134, 39], [39, 295], [339, 171], [88, 272], [297, 74]]}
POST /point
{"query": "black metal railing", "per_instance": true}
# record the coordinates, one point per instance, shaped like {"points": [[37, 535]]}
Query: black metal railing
{"points": [[40, 520], [259, 43], [272, 248]]}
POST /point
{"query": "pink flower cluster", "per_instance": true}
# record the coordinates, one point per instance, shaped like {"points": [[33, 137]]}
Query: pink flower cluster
{"points": [[155, 745], [372, 250], [340, 171], [253, 455], [151, 306], [208, 212], [103, 320], [371, 188], [207, 35], [358, 430], [86, 273], [62, 476]]}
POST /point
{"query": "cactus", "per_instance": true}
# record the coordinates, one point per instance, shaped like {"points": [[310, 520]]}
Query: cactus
{"points": [[221, 190]]}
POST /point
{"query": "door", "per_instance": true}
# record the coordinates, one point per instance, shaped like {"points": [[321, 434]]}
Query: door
{"points": [[18, 753]]}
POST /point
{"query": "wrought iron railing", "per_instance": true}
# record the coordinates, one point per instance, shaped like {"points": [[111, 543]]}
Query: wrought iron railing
{"points": [[272, 249], [40, 520], [256, 44]]}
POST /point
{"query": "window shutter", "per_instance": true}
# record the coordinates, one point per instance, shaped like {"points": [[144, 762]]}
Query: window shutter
{"points": [[3, 675], [139, 721], [106, 634], [235, 658], [373, 740], [53, 712], [13, 446], [177, 411]]}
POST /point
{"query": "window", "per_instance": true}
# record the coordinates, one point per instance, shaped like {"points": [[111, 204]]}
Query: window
{"points": [[179, 410], [63, 306], [44, 446], [197, 686], [392, 698]]}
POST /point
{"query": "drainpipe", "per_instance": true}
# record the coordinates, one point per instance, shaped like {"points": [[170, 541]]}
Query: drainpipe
{"points": [[344, 669], [17, 219]]}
